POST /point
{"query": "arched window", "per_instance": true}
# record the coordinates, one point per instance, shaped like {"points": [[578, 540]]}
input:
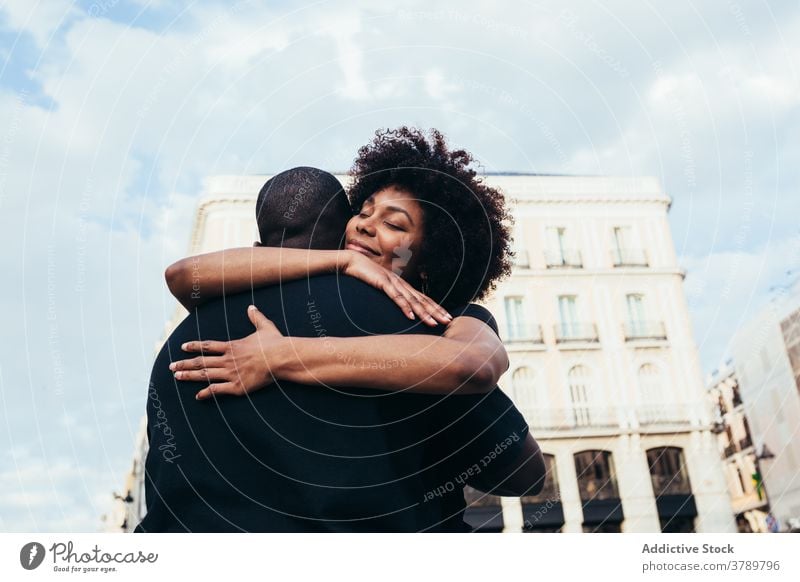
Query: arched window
{"points": [[580, 392], [596, 480], [677, 510], [668, 471]]}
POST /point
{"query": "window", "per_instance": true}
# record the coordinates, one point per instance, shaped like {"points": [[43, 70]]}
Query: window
{"points": [[596, 480], [568, 314], [624, 253], [622, 237], [558, 252], [580, 393], [636, 316], [668, 472], [515, 318]]}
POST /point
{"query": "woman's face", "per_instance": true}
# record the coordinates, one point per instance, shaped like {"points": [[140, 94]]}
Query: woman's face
{"points": [[388, 230]]}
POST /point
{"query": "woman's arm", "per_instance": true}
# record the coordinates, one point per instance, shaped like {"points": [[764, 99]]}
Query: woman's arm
{"points": [[195, 280], [468, 358]]}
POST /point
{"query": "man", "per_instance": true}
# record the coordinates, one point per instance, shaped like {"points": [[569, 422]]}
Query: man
{"points": [[306, 458]]}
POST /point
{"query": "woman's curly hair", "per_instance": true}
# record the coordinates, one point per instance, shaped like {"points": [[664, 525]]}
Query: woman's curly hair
{"points": [[466, 245]]}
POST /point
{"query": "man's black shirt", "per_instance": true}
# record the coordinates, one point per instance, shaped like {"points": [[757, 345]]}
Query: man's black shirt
{"points": [[310, 458]]}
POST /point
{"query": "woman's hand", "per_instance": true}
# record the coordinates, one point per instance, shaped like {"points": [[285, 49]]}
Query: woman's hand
{"points": [[406, 296], [240, 366]]}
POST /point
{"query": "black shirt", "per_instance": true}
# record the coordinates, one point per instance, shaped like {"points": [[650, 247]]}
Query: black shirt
{"points": [[304, 458]]}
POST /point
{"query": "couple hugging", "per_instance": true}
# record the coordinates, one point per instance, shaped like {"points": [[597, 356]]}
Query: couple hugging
{"points": [[336, 376]]}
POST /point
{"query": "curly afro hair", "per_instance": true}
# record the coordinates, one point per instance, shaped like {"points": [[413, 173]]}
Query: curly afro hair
{"points": [[466, 245]]}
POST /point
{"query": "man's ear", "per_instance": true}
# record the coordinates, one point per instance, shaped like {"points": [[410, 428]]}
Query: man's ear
{"points": [[257, 244]]}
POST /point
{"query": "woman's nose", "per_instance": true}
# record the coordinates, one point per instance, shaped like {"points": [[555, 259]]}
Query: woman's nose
{"points": [[364, 226]]}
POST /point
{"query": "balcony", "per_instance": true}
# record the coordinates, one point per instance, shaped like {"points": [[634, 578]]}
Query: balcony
{"points": [[559, 259], [521, 333], [576, 332], [579, 416], [644, 330], [629, 258], [655, 414]]}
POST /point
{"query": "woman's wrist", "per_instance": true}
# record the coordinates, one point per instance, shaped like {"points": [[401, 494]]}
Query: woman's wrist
{"points": [[342, 260]]}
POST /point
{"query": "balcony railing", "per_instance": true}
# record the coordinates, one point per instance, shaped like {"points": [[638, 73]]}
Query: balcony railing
{"points": [[576, 332], [571, 418], [662, 413], [566, 258], [643, 330], [629, 258], [745, 442], [526, 332]]}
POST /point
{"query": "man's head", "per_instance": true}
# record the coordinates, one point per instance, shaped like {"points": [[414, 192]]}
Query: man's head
{"points": [[302, 208]]}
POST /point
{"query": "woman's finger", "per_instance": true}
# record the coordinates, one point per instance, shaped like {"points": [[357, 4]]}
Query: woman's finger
{"points": [[197, 363], [421, 309], [217, 390], [414, 298], [205, 347], [203, 375], [398, 297], [436, 310]]}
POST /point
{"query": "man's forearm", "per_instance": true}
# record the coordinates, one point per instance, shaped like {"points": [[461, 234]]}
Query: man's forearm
{"points": [[417, 363]]}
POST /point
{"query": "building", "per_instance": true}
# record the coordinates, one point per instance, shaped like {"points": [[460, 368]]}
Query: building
{"points": [[739, 456], [766, 357], [603, 362]]}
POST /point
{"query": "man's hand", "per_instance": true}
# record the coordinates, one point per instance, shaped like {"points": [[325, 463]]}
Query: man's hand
{"points": [[237, 367], [401, 292]]}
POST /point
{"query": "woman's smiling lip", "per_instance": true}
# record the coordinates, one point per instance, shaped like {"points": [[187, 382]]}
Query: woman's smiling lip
{"points": [[357, 246]]}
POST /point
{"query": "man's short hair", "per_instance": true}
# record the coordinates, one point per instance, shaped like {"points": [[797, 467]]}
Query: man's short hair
{"points": [[302, 208]]}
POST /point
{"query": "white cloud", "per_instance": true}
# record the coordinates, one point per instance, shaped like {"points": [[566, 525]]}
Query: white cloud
{"points": [[40, 18]]}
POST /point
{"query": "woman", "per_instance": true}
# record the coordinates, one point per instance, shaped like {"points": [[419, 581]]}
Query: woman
{"points": [[431, 235]]}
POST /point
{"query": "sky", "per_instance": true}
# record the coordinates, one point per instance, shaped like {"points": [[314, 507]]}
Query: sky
{"points": [[112, 112]]}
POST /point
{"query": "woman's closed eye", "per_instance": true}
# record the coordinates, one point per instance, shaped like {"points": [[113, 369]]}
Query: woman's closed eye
{"points": [[393, 226]]}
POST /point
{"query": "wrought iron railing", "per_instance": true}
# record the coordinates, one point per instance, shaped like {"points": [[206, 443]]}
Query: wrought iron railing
{"points": [[576, 332], [629, 258], [556, 258], [639, 330]]}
